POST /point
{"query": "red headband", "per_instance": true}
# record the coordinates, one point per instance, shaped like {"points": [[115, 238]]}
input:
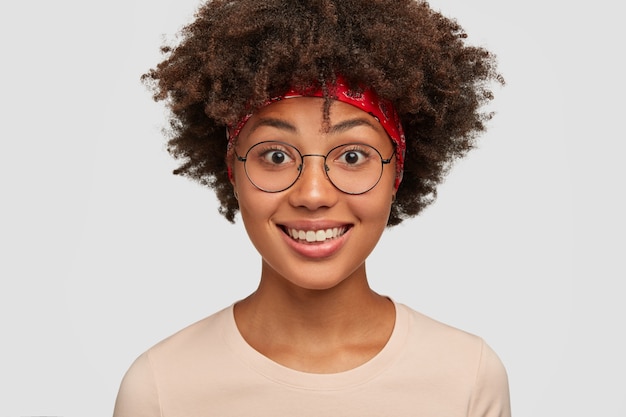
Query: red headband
{"points": [[367, 100]]}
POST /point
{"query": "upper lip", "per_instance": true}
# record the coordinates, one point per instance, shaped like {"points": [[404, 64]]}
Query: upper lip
{"points": [[314, 225]]}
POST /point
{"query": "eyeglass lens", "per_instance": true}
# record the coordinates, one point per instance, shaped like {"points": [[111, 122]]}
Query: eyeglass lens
{"points": [[353, 168]]}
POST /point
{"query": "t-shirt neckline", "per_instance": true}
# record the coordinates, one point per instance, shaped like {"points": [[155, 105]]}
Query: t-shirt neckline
{"points": [[311, 381]]}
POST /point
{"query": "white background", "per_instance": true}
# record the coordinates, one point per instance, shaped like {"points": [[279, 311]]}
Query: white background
{"points": [[104, 252]]}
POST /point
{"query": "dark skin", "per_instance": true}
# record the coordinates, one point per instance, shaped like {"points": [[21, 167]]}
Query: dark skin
{"points": [[317, 331], [320, 315], [236, 55], [314, 310]]}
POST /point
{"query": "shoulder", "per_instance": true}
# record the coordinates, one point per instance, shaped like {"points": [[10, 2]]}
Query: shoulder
{"points": [[171, 362], [138, 394], [438, 336], [460, 361], [197, 337], [440, 340]]}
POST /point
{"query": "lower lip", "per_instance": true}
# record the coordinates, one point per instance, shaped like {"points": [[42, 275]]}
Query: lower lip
{"points": [[317, 250]]}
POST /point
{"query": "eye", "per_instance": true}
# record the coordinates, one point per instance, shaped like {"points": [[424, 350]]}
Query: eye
{"points": [[273, 155], [353, 156], [276, 157]]}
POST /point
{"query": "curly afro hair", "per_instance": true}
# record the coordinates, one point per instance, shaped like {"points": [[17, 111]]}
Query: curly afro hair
{"points": [[238, 53]]}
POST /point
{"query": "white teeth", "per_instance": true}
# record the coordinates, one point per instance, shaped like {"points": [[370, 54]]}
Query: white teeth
{"points": [[316, 235]]}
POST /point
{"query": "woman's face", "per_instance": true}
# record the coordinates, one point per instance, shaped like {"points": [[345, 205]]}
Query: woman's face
{"points": [[312, 235]]}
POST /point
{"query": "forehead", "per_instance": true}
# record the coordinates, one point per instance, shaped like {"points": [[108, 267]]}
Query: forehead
{"points": [[300, 122], [308, 113], [312, 105]]}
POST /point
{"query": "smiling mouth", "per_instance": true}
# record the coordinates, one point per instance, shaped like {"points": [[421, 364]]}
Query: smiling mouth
{"points": [[316, 236]]}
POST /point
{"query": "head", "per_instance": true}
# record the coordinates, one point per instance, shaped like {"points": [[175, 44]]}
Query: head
{"points": [[237, 55], [314, 193]]}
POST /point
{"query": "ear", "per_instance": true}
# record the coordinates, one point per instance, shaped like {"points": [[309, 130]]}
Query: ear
{"points": [[230, 168], [231, 178], [231, 174]]}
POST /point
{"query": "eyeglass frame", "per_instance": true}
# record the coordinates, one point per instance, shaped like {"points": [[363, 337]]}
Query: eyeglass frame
{"points": [[326, 168]]}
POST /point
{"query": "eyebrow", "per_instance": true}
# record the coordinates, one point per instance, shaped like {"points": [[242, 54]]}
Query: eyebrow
{"points": [[349, 124], [273, 122], [334, 129]]}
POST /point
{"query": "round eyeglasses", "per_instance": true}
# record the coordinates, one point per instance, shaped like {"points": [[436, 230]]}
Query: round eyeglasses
{"points": [[353, 168]]}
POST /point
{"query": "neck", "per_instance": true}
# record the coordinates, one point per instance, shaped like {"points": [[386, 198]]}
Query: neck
{"points": [[288, 323], [278, 300]]}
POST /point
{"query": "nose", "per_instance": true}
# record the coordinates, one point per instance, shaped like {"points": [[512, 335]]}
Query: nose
{"points": [[313, 189]]}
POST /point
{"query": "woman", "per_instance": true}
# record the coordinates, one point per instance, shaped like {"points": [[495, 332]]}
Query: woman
{"points": [[321, 122]]}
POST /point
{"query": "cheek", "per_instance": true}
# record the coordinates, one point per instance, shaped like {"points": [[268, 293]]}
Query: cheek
{"points": [[254, 214], [374, 207], [257, 208]]}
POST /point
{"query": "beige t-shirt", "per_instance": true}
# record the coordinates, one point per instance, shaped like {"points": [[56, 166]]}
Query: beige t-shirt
{"points": [[426, 369]]}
